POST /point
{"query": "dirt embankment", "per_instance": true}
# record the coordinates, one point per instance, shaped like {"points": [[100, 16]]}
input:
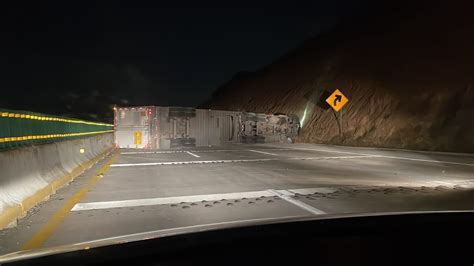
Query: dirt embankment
{"points": [[409, 78]]}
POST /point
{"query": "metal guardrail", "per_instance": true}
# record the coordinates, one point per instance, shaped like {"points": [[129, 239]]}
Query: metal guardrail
{"points": [[21, 128]]}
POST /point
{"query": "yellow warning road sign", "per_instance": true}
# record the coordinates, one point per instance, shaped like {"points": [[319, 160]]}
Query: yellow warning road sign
{"points": [[138, 138], [337, 100]]}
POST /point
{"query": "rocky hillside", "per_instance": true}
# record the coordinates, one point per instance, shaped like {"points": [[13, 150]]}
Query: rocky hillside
{"points": [[408, 74]]}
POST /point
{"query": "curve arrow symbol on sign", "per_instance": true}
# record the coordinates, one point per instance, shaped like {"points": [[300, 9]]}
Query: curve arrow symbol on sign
{"points": [[337, 99]]}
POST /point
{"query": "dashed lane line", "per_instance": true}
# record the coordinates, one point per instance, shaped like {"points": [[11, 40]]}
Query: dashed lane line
{"points": [[149, 152], [288, 196], [195, 151], [306, 149], [188, 162], [239, 161], [284, 194], [192, 154], [263, 152], [307, 191], [168, 200]]}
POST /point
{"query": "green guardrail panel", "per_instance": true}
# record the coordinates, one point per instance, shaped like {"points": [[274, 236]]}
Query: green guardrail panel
{"points": [[22, 128], [4, 130]]}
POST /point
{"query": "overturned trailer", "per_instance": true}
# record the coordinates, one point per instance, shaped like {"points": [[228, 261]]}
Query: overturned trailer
{"points": [[155, 127]]}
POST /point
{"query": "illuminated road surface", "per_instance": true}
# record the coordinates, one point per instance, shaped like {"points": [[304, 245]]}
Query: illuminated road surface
{"points": [[144, 191]]}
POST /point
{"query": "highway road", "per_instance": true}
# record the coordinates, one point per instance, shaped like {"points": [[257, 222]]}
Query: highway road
{"points": [[136, 191]]}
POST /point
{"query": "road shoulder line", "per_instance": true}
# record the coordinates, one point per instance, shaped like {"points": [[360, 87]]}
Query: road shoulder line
{"points": [[45, 232]]}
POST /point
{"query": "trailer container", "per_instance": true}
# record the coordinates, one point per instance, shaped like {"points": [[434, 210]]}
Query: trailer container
{"points": [[155, 127]]}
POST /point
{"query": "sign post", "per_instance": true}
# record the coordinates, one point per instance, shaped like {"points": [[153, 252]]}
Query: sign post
{"points": [[337, 100]]}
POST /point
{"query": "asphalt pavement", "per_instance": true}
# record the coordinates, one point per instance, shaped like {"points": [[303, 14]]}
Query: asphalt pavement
{"points": [[141, 190]]}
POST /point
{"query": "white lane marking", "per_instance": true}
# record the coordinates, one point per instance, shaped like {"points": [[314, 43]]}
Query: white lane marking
{"points": [[307, 191], [148, 152], [311, 149], [396, 150], [321, 150], [287, 196], [425, 160], [262, 152], [240, 161], [390, 157], [330, 157], [189, 162], [169, 200], [181, 151], [195, 198], [192, 154]]}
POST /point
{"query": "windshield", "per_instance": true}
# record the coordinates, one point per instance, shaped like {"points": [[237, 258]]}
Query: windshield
{"points": [[123, 119]]}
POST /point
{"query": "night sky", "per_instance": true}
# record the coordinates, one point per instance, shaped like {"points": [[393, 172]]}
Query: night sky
{"points": [[79, 60]]}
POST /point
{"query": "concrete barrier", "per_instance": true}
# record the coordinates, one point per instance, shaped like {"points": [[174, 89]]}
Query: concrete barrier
{"points": [[30, 175]]}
